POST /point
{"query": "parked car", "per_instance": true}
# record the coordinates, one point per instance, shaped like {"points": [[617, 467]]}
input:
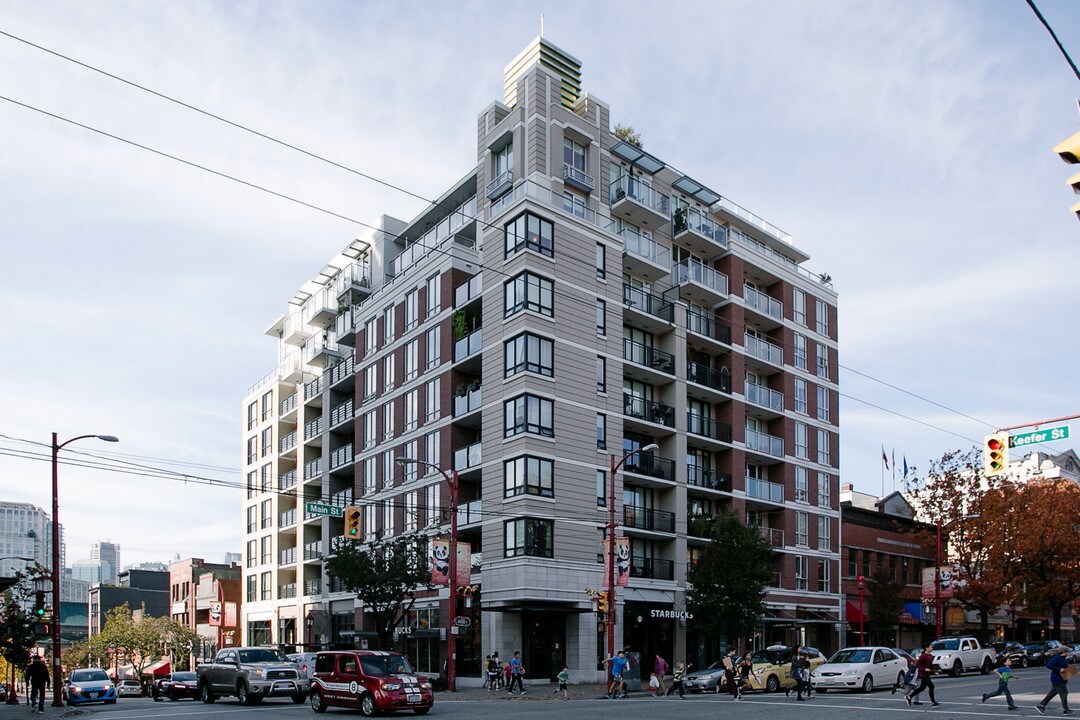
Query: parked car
{"points": [[1074, 656], [1013, 651], [129, 688], [304, 661], [176, 685], [251, 674], [772, 666], [87, 685], [954, 655], [373, 682], [904, 654], [859, 668], [3, 691], [1039, 652], [709, 679]]}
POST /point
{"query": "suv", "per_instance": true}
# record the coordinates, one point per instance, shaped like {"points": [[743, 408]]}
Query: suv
{"points": [[372, 681], [1011, 650]]}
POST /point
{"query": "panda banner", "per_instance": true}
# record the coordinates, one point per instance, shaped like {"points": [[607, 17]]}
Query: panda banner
{"points": [[440, 562], [622, 560]]}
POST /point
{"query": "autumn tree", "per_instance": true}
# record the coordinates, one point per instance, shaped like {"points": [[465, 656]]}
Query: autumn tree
{"points": [[385, 574], [726, 586], [627, 133]]}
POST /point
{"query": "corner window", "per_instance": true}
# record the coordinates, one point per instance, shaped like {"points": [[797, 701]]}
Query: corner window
{"points": [[528, 291], [530, 536], [529, 353], [529, 232], [528, 414], [529, 476]]}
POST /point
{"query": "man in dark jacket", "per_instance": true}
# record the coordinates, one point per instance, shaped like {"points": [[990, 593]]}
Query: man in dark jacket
{"points": [[38, 675], [924, 669], [1059, 685]]}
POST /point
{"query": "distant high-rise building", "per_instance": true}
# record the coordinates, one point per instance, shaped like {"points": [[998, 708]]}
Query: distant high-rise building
{"points": [[25, 538], [90, 571], [108, 553]]}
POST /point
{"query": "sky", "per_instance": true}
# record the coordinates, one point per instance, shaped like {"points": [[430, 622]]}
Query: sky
{"points": [[906, 147]]}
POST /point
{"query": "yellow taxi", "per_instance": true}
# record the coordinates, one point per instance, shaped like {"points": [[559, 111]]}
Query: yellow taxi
{"points": [[772, 667]]}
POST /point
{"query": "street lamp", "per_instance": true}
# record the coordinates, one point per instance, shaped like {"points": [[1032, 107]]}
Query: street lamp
{"points": [[451, 638], [610, 619], [862, 615], [309, 621], [58, 695]]}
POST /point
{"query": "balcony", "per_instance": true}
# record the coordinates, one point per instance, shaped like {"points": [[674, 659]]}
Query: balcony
{"points": [[313, 469], [751, 221], [287, 518], [577, 178], [763, 396], [472, 399], [314, 388], [288, 405], [286, 591], [500, 185], [287, 481], [313, 550], [458, 228], [294, 331], [702, 426], [768, 306], [652, 568], [650, 465], [644, 257], [354, 280], [763, 350], [287, 442], [341, 371], [708, 326], [708, 479], [342, 456], [650, 312], [648, 519], [321, 309], [639, 203], [342, 498], [313, 429], [312, 587], [470, 513], [648, 356], [287, 556], [469, 345], [764, 490], [648, 410], [469, 457], [468, 291], [700, 283], [773, 536], [765, 444], [700, 374], [693, 229], [341, 413]]}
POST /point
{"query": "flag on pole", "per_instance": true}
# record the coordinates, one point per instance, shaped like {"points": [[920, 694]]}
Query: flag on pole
{"points": [[884, 457], [905, 466], [894, 460]]}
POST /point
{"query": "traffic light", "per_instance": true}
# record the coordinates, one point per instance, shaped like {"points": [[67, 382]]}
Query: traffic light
{"points": [[995, 454], [601, 602], [352, 516], [39, 604], [1070, 153]]}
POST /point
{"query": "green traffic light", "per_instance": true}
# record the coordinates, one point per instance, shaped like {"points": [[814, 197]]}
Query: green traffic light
{"points": [[40, 612]]}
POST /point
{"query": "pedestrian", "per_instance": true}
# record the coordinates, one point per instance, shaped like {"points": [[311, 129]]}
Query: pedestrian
{"points": [[907, 683], [498, 669], [490, 673], [660, 667], [564, 683], [729, 673], [1003, 671], [924, 669], [616, 667], [677, 680], [743, 670], [517, 672], [796, 673], [1060, 672], [38, 675]]}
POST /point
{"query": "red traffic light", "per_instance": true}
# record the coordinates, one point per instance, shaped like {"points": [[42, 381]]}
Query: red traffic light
{"points": [[993, 443]]}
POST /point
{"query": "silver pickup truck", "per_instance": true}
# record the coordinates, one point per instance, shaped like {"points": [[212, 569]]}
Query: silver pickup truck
{"points": [[251, 674]]}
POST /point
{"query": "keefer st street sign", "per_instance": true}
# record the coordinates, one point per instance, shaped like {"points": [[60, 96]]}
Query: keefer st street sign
{"points": [[1039, 436]]}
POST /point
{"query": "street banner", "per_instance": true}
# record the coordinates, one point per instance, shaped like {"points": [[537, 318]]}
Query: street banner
{"points": [[215, 614], [440, 562], [929, 582], [622, 560], [231, 615]]}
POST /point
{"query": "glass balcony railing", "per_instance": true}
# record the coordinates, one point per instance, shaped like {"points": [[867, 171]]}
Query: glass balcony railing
{"points": [[708, 479], [719, 380], [648, 303], [471, 400], [761, 395], [630, 186], [469, 345], [764, 350], [764, 490], [762, 443], [470, 512], [708, 326], [774, 536], [468, 291], [691, 270], [763, 303], [445, 231], [634, 243], [642, 354], [501, 184], [468, 457], [648, 410], [648, 519], [697, 222]]}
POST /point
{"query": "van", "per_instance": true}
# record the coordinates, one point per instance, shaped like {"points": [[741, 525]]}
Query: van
{"points": [[370, 681], [304, 661]]}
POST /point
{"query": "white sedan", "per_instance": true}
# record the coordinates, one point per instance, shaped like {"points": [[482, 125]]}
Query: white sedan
{"points": [[859, 668]]}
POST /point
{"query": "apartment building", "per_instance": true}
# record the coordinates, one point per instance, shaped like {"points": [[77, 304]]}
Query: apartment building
{"points": [[570, 300]]}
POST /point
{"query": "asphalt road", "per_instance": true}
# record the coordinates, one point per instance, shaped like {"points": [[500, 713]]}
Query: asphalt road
{"points": [[959, 698]]}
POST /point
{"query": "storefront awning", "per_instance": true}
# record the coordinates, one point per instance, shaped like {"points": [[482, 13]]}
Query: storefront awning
{"points": [[161, 667]]}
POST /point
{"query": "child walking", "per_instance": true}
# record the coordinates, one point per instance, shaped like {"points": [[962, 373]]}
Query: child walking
{"points": [[677, 680], [564, 683], [1004, 672]]}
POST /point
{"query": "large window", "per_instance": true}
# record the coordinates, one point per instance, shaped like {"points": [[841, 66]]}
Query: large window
{"points": [[801, 450], [529, 353], [574, 155], [601, 317], [434, 290], [431, 401], [802, 573], [528, 414], [371, 336], [802, 529], [388, 323], [529, 476], [822, 403], [822, 317], [412, 309], [410, 410], [823, 450], [528, 291], [824, 533], [530, 232], [601, 488], [824, 493], [822, 361], [601, 261], [266, 588], [802, 492], [800, 351], [371, 380], [530, 536], [253, 416], [799, 306], [601, 374], [824, 581], [388, 373], [800, 396], [412, 359], [601, 431], [431, 347]]}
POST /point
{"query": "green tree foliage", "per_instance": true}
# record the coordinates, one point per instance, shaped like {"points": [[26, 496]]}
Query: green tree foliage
{"points": [[627, 133], [727, 584], [16, 636], [140, 639], [884, 605], [385, 574]]}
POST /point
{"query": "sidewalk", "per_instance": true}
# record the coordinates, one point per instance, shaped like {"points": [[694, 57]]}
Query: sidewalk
{"points": [[533, 691]]}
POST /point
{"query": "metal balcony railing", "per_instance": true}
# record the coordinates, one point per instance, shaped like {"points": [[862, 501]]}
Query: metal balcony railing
{"points": [[698, 424], [287, 518], [287, 442], [708, 479], [313, 550], [287, 480], [313, 388], [287, 556], [342, 370], [578, 178], [342, 456], [719, 380], [313, 428], [648, 303], [286, 591], [288, 404], [648, 410], [312, 587], [341, 413], [650, 465], [648, 519], [652, 568], [313, 469], [708, 326], [648, 356], [630, 186]]}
